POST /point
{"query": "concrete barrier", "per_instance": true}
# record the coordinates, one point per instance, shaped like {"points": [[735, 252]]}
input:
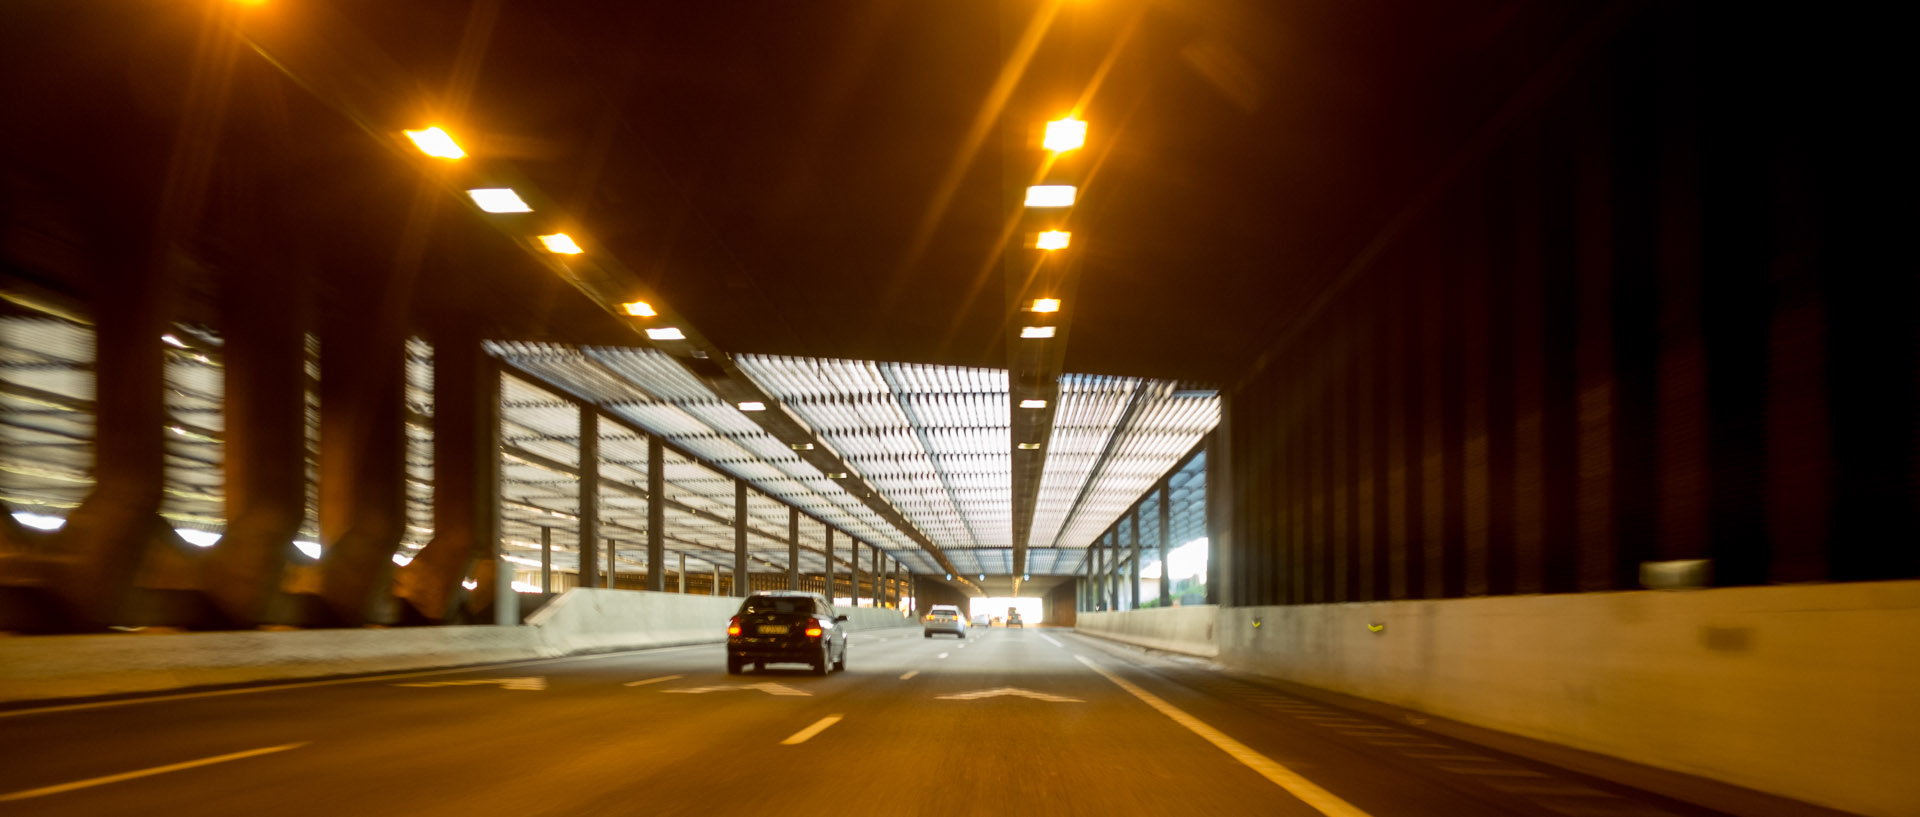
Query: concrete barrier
{"points": [[583, 620], [1810, 692], [1186, 630]]}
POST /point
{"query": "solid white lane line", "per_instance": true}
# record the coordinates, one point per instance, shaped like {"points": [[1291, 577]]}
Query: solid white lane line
{"points": [[910, 674], [818, 726], [1306, 790], [1050, 640], [368, 679], [652, 681], [943, 655], [171, 767]]}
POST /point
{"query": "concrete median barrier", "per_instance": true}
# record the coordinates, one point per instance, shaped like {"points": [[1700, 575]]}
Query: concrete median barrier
{"points": [[580, 621]]}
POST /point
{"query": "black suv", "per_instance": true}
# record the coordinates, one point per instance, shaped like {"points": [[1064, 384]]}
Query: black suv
{"points": [[786, 626]]}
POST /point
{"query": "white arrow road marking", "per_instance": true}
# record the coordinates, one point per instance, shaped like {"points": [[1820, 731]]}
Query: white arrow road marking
{"points": [[651, 681], [171, 767], [769, 687], [1023, 693], [533, 684]]}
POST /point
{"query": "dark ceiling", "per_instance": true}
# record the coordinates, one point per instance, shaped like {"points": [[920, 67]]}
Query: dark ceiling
{"points": [[776, 170]]}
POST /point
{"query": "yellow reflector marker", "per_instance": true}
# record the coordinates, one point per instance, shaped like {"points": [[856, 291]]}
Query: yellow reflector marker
{"points": [[435, 142], [560, 243]]}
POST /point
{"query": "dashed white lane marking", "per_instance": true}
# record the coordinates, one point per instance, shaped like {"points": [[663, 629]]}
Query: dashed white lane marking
{"points": [[1306, 790], [171, 767], [1050, 640], [818, 726], [943, 655], [962, 646], [910, 674], [652, 681]]}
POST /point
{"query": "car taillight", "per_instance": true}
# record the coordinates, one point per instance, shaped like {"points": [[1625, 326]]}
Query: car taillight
{"points": [[813, 630], [733, 626], [929, 616]]}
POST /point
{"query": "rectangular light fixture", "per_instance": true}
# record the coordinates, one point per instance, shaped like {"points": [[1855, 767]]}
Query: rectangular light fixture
{"points": [[435, 142], [1029, 446], [801, 446], [1054, 240], [753, 405], [665, 333], [560, 243], [837, 475], [498, 200], [1033, 404], [1065, 134], [1036, 331], [1050, 195], [1045, 305], [638, 309]]}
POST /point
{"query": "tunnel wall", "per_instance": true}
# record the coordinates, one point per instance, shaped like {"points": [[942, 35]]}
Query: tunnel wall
{"points": [[1665, 308], [1808, 692], [580, 621]]}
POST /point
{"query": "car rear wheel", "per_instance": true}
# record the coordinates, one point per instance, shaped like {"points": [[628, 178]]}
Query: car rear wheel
{"points": [[841, 664], [963, 636], [824, 666], [733, 665], [927, 633]]}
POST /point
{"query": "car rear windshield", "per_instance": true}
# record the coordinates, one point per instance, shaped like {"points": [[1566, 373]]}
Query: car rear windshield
{"points": [[777, 604]]}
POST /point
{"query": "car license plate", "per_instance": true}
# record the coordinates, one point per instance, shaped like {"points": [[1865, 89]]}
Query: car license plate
{"points": [[773, 629]]}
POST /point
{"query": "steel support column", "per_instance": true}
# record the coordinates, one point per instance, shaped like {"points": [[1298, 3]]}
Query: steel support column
{"points": [[830, 571], [1133, 567], [683, 574], [793, 548], [1166, 532], [853, 571], [589, 499], [613, 551], [363, 447], [741, 561], [656, 513], [546, 559]]}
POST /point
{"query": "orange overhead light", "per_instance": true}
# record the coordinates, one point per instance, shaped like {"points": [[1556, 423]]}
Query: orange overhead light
{"points": [[1065, 134], [1054, 240], [1045, 305], [435, 142], [560, 243], [638, 309], [1029, 446]]}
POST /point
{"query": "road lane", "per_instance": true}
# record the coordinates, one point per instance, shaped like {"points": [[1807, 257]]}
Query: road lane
{"points": [[1015, 722]]}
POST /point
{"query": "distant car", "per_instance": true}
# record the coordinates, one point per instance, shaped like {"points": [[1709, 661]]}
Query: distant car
{"points": [[944, 618], [786, 627], [1013, 620], [983, 620]]}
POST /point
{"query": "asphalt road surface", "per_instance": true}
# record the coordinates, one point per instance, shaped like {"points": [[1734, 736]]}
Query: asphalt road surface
{"points": [[1004, 722]]}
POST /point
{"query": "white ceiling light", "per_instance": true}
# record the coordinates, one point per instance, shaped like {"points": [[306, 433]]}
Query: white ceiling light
{"points": [[753, 405], [1050, 195], [1036, 331], [1033, 404], [666, 333], [498, 200]]}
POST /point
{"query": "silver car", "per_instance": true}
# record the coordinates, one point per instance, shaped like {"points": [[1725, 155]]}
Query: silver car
{"points": [[944, 618]]}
